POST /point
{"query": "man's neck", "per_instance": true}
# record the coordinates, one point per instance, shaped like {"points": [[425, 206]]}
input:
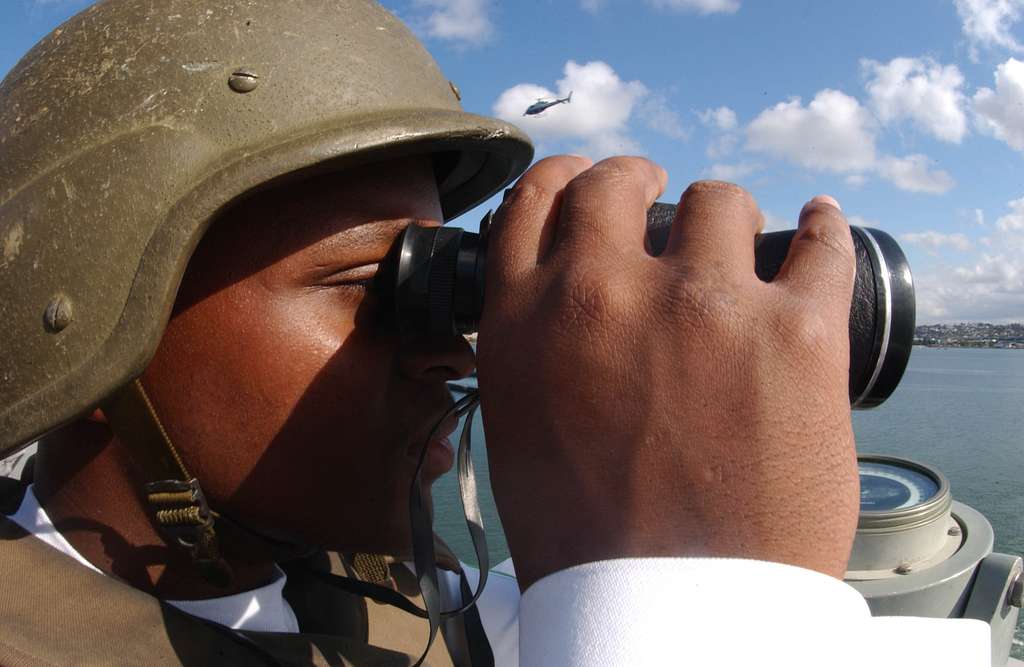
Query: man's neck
{"points": [[86, 484]]}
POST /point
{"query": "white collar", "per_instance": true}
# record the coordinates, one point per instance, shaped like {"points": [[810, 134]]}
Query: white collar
{"points": [[262, 609]]}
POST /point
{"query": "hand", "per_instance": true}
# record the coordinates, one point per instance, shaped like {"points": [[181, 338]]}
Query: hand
{"points": [[672, 405]]}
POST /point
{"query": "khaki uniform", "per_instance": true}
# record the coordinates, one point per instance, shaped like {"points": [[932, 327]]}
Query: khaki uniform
{"points": [[53, 611]]}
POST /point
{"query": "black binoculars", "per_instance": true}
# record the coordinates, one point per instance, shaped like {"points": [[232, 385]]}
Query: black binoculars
{"points": [[432, 281]]}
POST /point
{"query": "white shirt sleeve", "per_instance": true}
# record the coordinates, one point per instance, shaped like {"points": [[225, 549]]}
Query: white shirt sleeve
{"points": [[704, 611]]}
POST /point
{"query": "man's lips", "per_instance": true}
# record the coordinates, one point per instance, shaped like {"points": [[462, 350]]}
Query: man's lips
{"points": [[436, 456], [440, 434]]}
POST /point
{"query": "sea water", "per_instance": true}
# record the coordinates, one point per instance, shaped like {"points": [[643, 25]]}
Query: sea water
{"points": [[959, 410]]}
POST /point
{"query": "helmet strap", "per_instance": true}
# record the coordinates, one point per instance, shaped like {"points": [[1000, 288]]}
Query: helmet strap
{"points": [[173, 498]]}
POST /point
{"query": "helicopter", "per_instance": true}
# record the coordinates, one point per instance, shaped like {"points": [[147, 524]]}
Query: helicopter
{"points": [[542, 105]]}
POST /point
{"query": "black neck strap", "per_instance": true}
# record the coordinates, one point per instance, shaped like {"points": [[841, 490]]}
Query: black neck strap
{"points": [[422, 520], [424, 556]]}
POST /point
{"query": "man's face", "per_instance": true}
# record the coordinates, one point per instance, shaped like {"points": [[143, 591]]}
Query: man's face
{"points": [[299, 415]]}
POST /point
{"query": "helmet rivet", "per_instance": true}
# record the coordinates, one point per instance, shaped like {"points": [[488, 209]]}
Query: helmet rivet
{"points": [[58, 314], [455, 91], [243, 81]]}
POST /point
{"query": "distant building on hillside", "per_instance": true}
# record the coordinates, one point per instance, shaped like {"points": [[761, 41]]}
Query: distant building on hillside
{"points": [[971, 334]]}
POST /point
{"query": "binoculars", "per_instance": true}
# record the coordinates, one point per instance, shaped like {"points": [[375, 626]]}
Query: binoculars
{"points": [[432, 282]]}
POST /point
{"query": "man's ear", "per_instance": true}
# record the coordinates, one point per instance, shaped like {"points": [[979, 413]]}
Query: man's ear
{"points": [[97, 416]]}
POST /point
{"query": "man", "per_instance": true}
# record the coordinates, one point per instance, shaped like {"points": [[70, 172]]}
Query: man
{"points": [[191, 227]]}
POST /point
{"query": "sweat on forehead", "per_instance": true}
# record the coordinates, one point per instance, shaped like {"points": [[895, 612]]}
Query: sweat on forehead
{"points": [[362, 206]]}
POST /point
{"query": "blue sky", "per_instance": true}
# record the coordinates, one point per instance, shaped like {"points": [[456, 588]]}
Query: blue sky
{"points": [[911, 113]]}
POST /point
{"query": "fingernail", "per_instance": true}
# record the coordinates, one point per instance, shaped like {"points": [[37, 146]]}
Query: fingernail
{"points": [[825, 199]]}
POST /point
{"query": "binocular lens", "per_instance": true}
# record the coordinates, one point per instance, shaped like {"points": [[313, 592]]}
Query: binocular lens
{"points": [[432, 282]]}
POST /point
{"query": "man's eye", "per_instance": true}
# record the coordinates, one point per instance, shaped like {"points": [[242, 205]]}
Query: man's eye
{"points": [[360, 277]]}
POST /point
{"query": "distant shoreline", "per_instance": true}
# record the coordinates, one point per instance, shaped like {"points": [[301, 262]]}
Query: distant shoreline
{"points": [[975, 335], [971, 346]]}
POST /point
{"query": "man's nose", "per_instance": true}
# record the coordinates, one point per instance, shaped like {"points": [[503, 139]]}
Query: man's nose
{"points": [[436, 358]]}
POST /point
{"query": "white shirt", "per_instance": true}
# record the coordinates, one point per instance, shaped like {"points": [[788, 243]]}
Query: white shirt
{"points": [[649, 611]]}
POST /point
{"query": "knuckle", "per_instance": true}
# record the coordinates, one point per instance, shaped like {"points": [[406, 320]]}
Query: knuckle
{"points": [[809, 333], [600, 177], [526, 193], [624, 164], [564, 166], [721, 190], [611, 175]]}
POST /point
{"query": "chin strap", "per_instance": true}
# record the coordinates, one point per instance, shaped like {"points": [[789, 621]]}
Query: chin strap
{"points": [[173, 497]]}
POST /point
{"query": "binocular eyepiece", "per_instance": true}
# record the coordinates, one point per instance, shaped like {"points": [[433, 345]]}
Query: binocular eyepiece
{"points": [[432, 282]]}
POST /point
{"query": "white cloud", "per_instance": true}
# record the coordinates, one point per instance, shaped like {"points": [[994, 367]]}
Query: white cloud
{"points": [[722, 145], [592, 6], [832, 133], [723, 123], [597, 121], [991, 294], [465, 22], [722, 118], [932, 240], [988, 286], [835, 133], [1014, 220], [656, 113], [911, 173], [988, 23], [920, 90], [1000, 112], [698, 6], [732, 172], [993, 270]]}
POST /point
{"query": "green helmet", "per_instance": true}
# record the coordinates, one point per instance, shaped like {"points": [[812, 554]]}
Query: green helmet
{"points": [[125, 130]]}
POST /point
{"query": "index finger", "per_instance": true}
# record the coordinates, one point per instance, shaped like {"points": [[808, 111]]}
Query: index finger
{"points": [[604, 209], [525, 221]]}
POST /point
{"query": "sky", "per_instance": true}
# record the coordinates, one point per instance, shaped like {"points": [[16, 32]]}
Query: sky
{"points": [[910, 113]]}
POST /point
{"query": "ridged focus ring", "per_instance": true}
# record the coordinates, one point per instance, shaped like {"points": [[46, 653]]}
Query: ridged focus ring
{"points": [[442, 278]]}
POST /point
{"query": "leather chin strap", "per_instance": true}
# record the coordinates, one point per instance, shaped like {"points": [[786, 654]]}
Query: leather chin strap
{"points": [[173, 497]]}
